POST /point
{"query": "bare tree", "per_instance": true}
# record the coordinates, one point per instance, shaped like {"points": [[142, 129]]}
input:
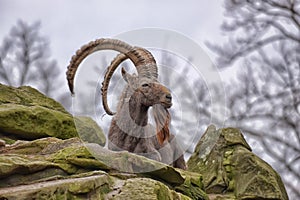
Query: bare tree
{"points": [[25, 59], [264, 101]]}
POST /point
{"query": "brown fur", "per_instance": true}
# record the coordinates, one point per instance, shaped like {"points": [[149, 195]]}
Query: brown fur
{"points": [[130, 130], [162, 119]]}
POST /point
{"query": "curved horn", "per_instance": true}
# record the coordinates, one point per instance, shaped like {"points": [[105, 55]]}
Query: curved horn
{"points": [[139, 56], [110, 70], [148, 70]]}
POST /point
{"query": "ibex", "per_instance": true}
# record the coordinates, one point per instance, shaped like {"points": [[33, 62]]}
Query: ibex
{"points": [[129, 129]]}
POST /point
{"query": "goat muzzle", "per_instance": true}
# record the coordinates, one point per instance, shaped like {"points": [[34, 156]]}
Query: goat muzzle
{"points": [[167, 101]]}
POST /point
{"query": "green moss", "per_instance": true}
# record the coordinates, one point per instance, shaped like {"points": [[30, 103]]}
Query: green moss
{"points": [[92, 187], [222, 197], [233, 136], [253, 176], [26, 147], [47, 174], [177, 195], [162, 192], [76, 151], [7, 140], [13, 163], [35, 122], [74, 158], [192, 186], [89, 131], [143, 188], [229, 167], [26, 113], [27, 96], [51, 168]]}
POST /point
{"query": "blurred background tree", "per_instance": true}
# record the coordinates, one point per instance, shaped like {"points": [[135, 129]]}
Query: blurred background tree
{"points": [[264, 100], [25, 60]]}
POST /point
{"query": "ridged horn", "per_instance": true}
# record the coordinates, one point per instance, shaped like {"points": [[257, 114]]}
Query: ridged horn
{"points": [[84, 51], [147, 65], [148, 70], [139, 56], [110, 70]]}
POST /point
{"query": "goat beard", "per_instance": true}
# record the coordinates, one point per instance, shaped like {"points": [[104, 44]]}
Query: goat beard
{"points": [[162, 119]]}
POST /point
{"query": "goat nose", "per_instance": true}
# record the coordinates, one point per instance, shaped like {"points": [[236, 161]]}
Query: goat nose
{"points": [[169, 97]]}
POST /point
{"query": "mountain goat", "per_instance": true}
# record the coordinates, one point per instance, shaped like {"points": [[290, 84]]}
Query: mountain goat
{"points": [[129, 129]]}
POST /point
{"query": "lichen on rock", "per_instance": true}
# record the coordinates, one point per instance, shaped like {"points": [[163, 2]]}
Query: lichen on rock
{"points": [[231, 170], [27, 114], [89, 131], [68, 170]]}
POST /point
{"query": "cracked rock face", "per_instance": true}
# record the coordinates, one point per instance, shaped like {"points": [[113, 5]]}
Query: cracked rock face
{"points": [[230, 169]]}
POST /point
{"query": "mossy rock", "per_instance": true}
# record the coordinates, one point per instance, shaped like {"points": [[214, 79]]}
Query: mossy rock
{"points": [[27, 96], [193, 186], [94, 186], [68, 169], [231, 170], [145, 188], [65, 169], [89, 131], [27, 114], [33, 122]]}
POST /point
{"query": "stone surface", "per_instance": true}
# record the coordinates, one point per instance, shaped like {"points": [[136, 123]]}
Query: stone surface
{"points": [[65, 169], [42, 157], [25, 113], [89, 131], [94, 186], [231, 171]]}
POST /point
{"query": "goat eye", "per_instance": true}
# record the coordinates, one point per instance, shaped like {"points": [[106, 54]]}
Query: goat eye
{"points": [[145, 85]]}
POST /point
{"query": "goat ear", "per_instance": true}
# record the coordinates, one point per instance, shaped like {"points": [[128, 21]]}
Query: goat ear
{"points": [[126, 76], [130, 79]]}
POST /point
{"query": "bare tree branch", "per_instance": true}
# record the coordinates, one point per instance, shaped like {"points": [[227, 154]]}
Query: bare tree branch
{"points": [[25, 59], [264, 101]]}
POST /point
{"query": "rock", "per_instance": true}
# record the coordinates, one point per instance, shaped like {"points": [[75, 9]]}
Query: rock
{"points": [[27, 96], [90, 186], [192, 186], [35, 122], [65, 169], [54, 163], [89, 131], [2, 143], [27, 114], [231, 171], [94, 186], [147, 189]]}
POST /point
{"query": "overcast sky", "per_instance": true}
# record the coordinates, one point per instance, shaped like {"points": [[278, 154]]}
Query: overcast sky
{"points": [[68, 24]]}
